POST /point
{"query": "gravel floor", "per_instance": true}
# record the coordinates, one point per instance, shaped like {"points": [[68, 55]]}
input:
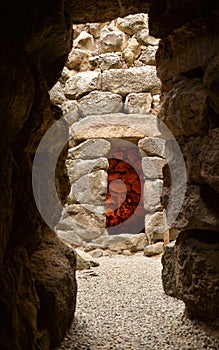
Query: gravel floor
{"points": [[121, 305]]}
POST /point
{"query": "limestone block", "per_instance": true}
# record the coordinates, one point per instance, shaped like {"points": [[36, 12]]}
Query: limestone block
{"points": [[98, 102], [133, 23], [152, 195], [123, 241], [136, 79], [82, 83], [68, 106], [72, 115], [112, 40], [138, 103], [148, 55], [154, 227], [78, 60], [132, 51], [85, 261], [153, 146], [70, 229], [153, 167], [70, 237], [66, 74], [79, 167], [56, 94], [87, 214], [145, 39], [95, 29], [90, 188], [117, 125], [106, 61], [156, 102], [153, 249], [85, 41], [90, 149]]}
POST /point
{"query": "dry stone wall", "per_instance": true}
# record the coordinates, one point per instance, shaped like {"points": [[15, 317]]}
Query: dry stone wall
{"points": [[109, 89]]}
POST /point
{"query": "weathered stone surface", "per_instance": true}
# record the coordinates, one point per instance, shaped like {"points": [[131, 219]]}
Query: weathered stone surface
{"points": [[183, 105], [115, 125], [153, 249], [87, 214], [90, 149], [133, 23], [137, 79], [67, 107], [153, 167], [106, 61], [154, 227], [197, 272], [90, 188], [138, 103], [82, 83], [55, 266], [70, 237], [98, 102], [95, 29], [70, 229], [80, 167], [153, 146], [56, 94], [85, 261], [148, 55], [123, 241], [169, 270], [152, 195], [85, 41], [112, 40], [211, 83], [131, 52], [78, 60], [209, 158]]}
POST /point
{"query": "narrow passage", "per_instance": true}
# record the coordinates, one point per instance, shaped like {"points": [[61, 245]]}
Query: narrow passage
{"points": [[121, 306]]}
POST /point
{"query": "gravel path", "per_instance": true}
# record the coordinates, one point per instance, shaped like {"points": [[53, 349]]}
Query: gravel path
{"points": [[121, 305]]}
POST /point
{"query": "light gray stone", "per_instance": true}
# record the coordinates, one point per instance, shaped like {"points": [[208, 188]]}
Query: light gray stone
{"points": [[153, 249], [70, 237], [95, 29], [152, 195], [85, 41], [133, 23], [117, 125], [136, 79], [148, 56], [153, 167], [131, 52], [139, 103], [78, 168], [56, 94], [106, 61], [85, 261], [81, 84], [90, 188], [154, 227], [98, 102], [87, 215], [153, 146], [144, 38], [112, 40], [90, 149], [97, 253], [78, 60], [123, 241]]}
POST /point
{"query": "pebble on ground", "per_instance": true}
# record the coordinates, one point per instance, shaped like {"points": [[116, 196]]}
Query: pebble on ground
{"points": [[121, 305]]}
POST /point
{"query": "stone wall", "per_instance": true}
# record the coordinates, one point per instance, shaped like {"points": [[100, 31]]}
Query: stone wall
{"points": [[109, 90]]}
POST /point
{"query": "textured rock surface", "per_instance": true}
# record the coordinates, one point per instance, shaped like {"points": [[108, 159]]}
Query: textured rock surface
{"points": [[197, 273], [154, 227], [84, 260], [153, 249], [169, 271], [100, 103]]}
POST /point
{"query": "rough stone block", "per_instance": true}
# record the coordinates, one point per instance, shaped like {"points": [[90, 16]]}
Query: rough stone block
{"points": [[153, 167], [112, 40], [152, 195], [98, 102], [148, 55], [136, 79], [79, 167], [90, 149], [133, 23], [153, 249], [81, 84], [153, 146], [139, 103], [154, 227]]}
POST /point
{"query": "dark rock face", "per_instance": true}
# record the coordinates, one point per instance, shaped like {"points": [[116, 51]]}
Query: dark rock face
{"points": [[197, 273], [187, 64], [168, 272]]}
